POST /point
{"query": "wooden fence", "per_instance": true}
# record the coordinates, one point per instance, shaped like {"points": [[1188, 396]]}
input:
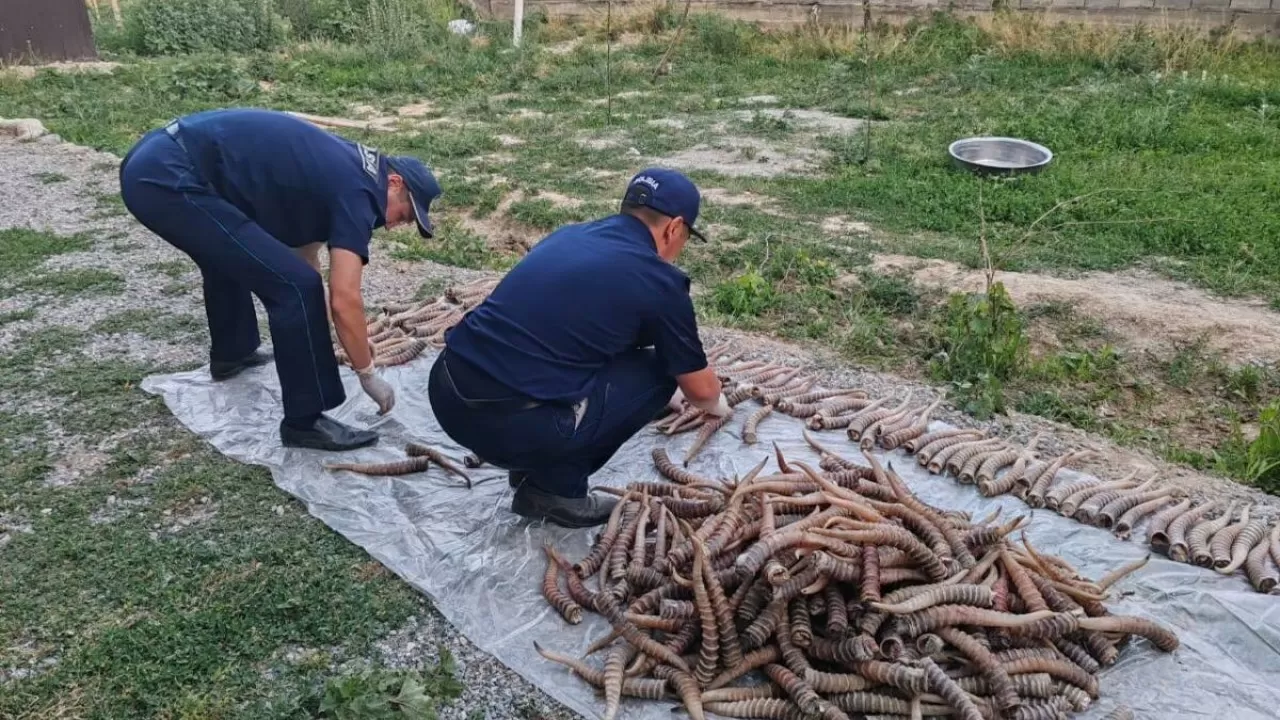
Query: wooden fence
{"points": [[45, 30]]}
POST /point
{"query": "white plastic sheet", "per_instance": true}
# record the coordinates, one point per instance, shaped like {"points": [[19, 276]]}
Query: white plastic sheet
{"points": [[482, 565]]}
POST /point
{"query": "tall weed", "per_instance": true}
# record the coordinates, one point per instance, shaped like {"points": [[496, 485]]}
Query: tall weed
{"points": [[1264, 452], [178, 27], [981, 345]]}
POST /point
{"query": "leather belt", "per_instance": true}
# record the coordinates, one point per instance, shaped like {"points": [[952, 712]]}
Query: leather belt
{"points": [[511, 404]]}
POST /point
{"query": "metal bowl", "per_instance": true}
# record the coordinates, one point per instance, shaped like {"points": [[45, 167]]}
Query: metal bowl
{"points": [[1004, 155]]}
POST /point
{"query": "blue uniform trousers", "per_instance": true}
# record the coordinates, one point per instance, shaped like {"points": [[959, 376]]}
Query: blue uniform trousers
{"points": [[164, 191], [557, 454]]}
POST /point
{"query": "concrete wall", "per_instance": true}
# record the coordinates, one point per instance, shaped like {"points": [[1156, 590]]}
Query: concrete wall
{"points": [[1250, 18]]}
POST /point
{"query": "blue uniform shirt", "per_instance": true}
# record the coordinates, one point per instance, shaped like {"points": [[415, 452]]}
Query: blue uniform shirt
{"points": [[300, 183], [583, 295]]}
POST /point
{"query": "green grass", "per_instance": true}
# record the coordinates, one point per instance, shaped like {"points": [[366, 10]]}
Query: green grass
{"points": [[165, 621], [542, 214], [184, 604], [49, 178], [452, 245], [70, 283], [1175, 166], [22, 249], [7, 318], [151, 324], [176, 288], [171, 268], [108, 205]]}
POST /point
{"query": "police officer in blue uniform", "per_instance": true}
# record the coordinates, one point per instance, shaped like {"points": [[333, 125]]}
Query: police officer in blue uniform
{"points": [[578, 348], [249, 195]]}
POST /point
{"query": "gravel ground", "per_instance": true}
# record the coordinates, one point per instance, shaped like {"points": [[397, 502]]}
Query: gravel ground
{"points": [[121, 245], [124, 247]]}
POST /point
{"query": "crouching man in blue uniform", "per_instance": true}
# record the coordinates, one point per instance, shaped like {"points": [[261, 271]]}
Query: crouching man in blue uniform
{"points": [[250, 195], [577, 349]]}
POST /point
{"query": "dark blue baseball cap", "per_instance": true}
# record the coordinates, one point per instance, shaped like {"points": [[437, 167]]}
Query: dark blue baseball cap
{"points": [[422, 186], [668, 192]]}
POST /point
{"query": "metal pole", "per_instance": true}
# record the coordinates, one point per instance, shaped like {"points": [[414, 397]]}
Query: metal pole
{"points": [[518, 23]]}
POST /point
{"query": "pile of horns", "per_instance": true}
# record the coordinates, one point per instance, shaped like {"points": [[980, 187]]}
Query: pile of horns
{"points": [[400, 332], [848, 594], [1208, 534]]}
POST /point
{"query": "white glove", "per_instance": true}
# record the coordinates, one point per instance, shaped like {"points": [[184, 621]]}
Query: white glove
{"points": [[379, 390], [676, 404], [719, 409]]}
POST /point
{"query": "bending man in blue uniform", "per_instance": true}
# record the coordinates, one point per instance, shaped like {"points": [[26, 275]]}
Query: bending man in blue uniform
{"points": [[578, 348], [250, 195]]}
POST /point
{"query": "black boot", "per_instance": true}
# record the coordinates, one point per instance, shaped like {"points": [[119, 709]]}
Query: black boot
{"points": [[324, 433], [568, 512], [225, 369]]}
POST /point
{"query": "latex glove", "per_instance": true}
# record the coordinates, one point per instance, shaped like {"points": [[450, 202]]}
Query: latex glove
{"points": [[676, 404], [379, 390], [719, 409], [722, 408]]}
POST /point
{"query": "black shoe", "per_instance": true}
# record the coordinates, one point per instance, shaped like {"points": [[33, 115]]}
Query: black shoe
{"points": [[224, 369], [514, 478], [568, 512], [326, 434]]}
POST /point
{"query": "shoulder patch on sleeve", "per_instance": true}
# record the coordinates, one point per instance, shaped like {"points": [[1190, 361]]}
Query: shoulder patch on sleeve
{"points": [[369, 159]]}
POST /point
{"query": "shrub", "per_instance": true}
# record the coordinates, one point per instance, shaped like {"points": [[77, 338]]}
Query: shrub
{"points": [[981, 345], [748, 294], [1264, 452], [175, 27]]}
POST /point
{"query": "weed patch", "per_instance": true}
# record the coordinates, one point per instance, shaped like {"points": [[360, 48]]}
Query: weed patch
{"points": [[170, 268], [542, 214], [169, 27], [1051, 405], [22, 249], [378, 693], [150, 324], [71, 283], [748, 294], [8, 318], [176, 288], [981, 346], [453, 245], [1263, 454]]}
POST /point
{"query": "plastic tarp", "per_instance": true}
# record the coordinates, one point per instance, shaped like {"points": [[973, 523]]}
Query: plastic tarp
{"points": [[482, 565]]}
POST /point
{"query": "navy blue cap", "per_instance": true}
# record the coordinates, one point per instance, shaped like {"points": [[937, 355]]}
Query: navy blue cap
{"points": [[422, 186], [668, 192]]}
